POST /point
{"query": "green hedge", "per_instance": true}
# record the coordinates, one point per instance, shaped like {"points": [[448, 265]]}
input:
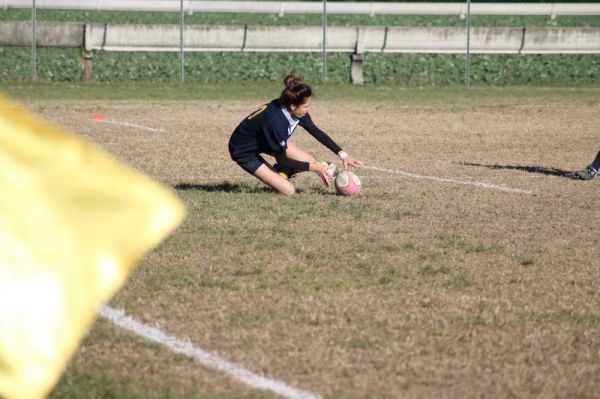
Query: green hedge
{"points": [[130, 17], [497, 69], [407, 69]]}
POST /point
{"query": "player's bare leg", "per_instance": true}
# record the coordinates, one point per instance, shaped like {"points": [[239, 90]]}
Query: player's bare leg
{"points": [[274, 180]]}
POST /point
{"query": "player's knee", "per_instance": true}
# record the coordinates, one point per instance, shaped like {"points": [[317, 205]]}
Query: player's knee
{"points": [[288, 189]]}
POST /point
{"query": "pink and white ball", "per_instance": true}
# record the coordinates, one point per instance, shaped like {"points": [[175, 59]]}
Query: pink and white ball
{"points": [[347, 183]]}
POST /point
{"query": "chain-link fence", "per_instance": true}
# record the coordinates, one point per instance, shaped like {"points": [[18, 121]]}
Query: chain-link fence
{"points": [[399, 43]]}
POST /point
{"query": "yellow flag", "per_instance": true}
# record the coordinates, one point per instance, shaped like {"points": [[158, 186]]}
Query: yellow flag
{"points": [[73, 222]]}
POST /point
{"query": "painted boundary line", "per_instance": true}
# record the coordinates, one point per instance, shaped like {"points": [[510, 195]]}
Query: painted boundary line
{"points": [[98, 117], [451, 180], [151, 129], [185, 347]]}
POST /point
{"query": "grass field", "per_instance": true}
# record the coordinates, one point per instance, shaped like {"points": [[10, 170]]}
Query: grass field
{"points": [[467, 267]]}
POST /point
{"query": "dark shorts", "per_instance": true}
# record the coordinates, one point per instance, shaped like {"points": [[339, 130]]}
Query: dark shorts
{"points": [[250, 162]]}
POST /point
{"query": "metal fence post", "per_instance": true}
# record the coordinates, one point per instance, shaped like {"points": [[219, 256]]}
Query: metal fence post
{"points": [[33, 43], [324, 55], [181, 52], [468, 55]]}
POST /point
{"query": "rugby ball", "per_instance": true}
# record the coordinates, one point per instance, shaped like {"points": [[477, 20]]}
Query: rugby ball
{"points": [[347, 183]]}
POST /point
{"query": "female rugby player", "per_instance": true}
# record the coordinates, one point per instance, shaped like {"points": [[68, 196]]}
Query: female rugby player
{"points": [[267, 131]]}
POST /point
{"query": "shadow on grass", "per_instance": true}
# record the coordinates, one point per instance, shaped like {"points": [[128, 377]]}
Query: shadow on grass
{"points": [[224, 187], [542, 170]]}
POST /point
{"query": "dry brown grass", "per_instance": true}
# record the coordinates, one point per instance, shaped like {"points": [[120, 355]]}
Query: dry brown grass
{"points": [[416, 288]]}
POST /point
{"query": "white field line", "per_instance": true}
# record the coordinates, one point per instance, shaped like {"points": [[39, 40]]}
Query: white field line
{"points": [[213, 361], [151, 129], [451, 180]]}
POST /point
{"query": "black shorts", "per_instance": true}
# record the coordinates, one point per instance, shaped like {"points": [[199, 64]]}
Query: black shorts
{"points": [[250, 162]]}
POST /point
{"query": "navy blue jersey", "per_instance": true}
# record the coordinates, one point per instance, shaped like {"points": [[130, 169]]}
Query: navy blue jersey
{"points": [[266, 130]]}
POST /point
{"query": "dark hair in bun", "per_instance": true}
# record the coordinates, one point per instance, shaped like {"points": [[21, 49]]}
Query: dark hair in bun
{"points": [[296, 92]]}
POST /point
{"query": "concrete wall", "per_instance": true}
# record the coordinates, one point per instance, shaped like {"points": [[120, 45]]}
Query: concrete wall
{"points": [[113, 37], [454, 40], [344, 39], [162, 38], [48, 34], [563, 41]]}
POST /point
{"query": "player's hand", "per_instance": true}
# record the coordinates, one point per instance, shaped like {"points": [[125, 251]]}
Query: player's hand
{"points": [[322, 171], [349, 161]]}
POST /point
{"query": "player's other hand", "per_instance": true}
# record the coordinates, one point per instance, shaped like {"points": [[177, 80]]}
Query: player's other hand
{"points": [[349, 161]]}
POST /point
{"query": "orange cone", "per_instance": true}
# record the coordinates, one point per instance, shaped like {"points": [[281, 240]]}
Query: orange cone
{"points": [[98, 117]]}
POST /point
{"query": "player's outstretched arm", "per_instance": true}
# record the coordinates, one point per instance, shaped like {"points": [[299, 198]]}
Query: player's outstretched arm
{"points": [[347, 160]]}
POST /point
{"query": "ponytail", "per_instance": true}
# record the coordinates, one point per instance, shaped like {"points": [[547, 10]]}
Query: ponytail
{"points": [[296, 91]]}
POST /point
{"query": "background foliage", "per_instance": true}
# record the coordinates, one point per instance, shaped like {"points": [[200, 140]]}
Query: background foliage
{"points": [[404, 69]]}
